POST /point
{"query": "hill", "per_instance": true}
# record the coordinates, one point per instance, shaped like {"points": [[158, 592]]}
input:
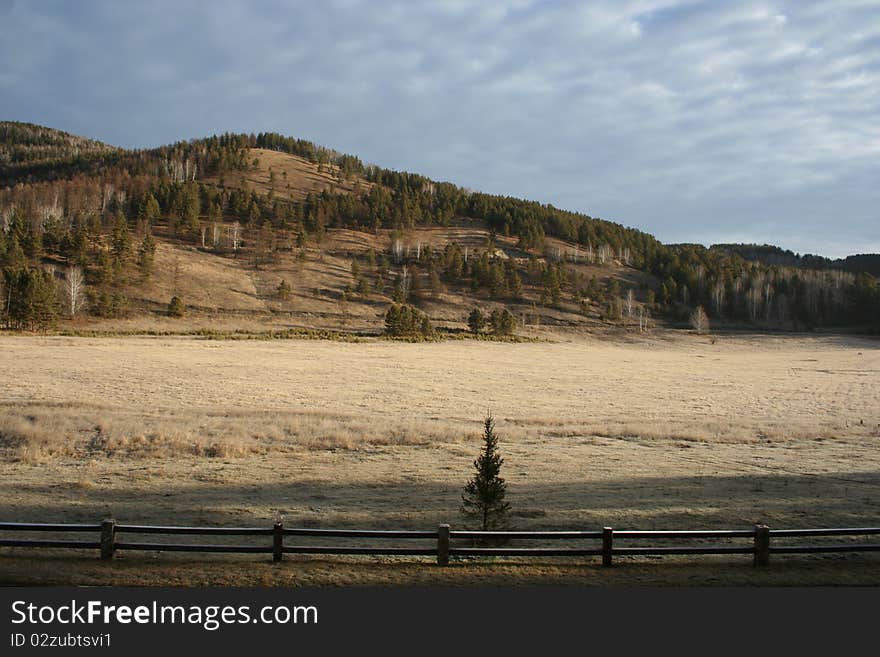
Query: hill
{"points": [[265, 232], [868, 263], [30, 152]]}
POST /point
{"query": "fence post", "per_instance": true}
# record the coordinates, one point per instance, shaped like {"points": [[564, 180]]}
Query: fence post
{"points": [[607, 545], [443, 545], [108, 538], [762, 545], [277, 541]]}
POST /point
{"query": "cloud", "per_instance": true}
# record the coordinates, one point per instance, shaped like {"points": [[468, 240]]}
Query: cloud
{"points": [[682, 118]]}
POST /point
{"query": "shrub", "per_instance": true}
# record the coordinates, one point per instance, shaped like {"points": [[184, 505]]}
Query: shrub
{"points": [[176, 308]]}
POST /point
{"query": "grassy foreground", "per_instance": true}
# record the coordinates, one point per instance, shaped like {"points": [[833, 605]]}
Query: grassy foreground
{"points": [[21, 569]]}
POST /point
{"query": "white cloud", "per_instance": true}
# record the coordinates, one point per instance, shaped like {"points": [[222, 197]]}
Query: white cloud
{"points": [[668, 115]]}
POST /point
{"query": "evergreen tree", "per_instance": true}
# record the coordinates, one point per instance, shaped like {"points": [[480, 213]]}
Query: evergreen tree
{"points": [[502, 322], [483, 496], [32, 299], [149, 210], [176, 307], [121, 241], [146, 254], [512, 280], [476, 321], [552, 287], [14, 257], [192, 208], [404, 320], [283, 290]]}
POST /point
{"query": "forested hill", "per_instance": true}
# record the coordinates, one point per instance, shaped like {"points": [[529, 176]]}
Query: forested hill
{"points": [[30, 152], [774, 255], [242, 223]]}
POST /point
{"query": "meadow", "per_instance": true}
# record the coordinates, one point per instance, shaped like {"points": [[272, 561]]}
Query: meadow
{"points": [[667, 431]]}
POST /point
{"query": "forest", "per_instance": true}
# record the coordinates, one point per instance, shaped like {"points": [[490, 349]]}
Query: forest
{"points": [[80, 220]]}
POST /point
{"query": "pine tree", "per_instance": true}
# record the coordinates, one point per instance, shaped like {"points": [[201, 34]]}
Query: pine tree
{"points": [[502, 322], [176, 308], [121, 241], [149, 210], [403, 320], [283, 290], [32, 301], [476, 321], [146, 254], [483, 497]]}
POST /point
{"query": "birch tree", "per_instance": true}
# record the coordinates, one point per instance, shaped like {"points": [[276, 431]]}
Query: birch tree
{"points": [[74, 290]]}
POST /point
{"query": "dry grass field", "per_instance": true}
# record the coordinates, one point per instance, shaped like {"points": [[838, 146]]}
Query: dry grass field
{"points": [[669, 431]]}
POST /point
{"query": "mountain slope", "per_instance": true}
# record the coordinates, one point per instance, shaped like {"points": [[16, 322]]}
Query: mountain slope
{"points": [[277, 231], [31, 152]]}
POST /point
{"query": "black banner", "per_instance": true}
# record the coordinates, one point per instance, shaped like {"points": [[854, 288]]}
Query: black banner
{"points": [[111, 620]]}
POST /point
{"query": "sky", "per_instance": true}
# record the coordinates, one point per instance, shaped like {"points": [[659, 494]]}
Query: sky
{"points": [[695, 121]]}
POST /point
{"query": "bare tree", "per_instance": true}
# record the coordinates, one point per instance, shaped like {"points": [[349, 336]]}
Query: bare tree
{"points": [[718, 296], [753, 298], [233, 235], [405, 281], [644, 317], [700, 320], [630, 303], [768, 297], [74, 288]]}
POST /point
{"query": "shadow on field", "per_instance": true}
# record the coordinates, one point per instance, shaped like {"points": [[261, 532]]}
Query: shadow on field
{"points": [[780, 500]]}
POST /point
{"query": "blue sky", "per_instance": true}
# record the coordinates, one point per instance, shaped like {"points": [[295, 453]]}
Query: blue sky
{"points": [[695, 121]]}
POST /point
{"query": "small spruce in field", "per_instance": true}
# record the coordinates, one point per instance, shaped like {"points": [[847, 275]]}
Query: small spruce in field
{"points": [[483, 496]]}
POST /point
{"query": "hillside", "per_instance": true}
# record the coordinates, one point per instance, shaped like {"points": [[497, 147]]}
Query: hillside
{"points": [[868, 263], [30, 152], [263, 232]]}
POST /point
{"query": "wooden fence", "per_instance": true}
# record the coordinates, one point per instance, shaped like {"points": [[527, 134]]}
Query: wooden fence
{"points": [[759, 542]]}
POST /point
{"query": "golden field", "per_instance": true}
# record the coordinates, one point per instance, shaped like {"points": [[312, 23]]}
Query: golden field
{"points": [[666, 431]]}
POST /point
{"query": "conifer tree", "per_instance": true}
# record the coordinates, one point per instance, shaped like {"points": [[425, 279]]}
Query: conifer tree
{"points": [[403, 320], [476, 321], [502, 321], [283, 290], [146, 254], [176, 308], [121, 241], [483, 496], [32, 301], [149, 210]]}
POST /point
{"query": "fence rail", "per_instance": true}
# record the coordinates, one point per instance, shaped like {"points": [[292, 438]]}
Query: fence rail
{"points": [[604, 543]]}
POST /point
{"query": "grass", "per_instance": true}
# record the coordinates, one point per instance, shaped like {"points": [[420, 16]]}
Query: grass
{"points": [[657, 434], [284, 334], [234, 394], [22, 569]]}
